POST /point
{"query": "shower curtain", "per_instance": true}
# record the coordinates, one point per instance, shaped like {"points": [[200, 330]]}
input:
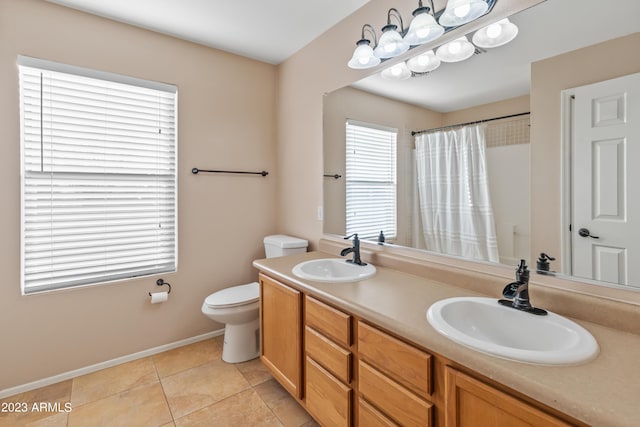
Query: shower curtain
{"points": [[453, 190]]}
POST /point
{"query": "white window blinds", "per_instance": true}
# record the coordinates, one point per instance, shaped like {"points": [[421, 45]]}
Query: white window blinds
{"points": [[98, 176], [370, 180]]}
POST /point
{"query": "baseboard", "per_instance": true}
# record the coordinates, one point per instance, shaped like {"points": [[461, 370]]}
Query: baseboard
{"points": [[106, 364]]}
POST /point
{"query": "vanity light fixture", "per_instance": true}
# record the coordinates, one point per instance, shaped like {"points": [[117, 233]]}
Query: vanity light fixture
{"points": [[391, 42], [398, 71], [423, 27], [363, 56], [496, 34], [456, 50], [459, 12]]}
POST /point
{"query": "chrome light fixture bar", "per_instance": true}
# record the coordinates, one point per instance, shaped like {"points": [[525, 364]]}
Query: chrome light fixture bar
{"points": [[424, 27]]}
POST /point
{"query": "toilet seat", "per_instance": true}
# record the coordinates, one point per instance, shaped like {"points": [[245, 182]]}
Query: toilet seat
{"points": [[234, 296]]}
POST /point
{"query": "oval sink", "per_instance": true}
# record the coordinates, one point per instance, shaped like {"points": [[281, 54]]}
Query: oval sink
{"points": [[486, 326], [333, 270]]}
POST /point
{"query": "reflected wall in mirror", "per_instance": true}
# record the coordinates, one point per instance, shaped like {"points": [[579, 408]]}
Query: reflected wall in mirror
{"points": [[556, 50]]}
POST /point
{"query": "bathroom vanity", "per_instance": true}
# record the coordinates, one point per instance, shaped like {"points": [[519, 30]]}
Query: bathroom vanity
{"points": [[363, 353]]}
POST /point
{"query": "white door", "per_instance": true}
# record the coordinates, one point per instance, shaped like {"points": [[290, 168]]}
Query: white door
{"points": [[605, 152]]}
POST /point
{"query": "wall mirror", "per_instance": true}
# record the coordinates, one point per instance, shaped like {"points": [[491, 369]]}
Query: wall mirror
{"points": [[489, 85]]}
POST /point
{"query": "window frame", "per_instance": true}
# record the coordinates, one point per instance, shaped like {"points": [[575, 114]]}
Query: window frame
{"points": [[166, 183], [389, 219]]}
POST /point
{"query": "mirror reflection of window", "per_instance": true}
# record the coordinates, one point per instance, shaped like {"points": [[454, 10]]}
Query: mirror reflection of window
{"points": [[371, 182]]}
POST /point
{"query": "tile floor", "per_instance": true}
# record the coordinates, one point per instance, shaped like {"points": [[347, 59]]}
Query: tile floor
{"points": [[187, 386]]}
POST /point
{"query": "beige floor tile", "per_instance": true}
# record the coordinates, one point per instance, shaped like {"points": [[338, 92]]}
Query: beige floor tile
{"points": [[219, 339], [140, 406], [58, 420], [109, 381], [254, 371], [59, 393], [271, 392], [201, 386], [186, 357], [242, 409], [290, 413]]}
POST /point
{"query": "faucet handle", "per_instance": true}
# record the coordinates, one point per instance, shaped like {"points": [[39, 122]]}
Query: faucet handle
{"points": [[510, 290], [354, 235]]}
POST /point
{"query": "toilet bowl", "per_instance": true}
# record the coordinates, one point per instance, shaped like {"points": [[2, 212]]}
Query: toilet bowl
{"points": [[238, 306]]}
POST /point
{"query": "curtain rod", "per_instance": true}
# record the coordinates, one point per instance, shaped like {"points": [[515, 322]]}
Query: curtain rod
{"points": [[416, 132]]}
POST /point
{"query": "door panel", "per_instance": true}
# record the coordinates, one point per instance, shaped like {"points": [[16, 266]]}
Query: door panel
{"points": [[605, 151]]}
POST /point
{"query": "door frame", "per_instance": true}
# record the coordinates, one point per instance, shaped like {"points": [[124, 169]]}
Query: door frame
{"points": [[566, 140]]}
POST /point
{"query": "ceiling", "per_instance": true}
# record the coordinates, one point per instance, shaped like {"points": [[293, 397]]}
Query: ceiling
{"points": [[269, 31], [545, 30]]}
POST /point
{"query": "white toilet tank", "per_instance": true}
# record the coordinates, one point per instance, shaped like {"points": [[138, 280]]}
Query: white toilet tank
{"points": [[281, 245]]}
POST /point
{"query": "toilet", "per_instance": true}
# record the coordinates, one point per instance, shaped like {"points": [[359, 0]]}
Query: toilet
{"points": [[238, 306]]}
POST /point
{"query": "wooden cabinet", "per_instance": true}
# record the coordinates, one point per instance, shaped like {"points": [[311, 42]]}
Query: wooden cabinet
{"points": [[394, 378], [347, 372], [328, 364], [281, 341], [470, 402]]}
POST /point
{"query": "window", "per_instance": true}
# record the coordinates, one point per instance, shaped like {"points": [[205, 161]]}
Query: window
{"points": [[370, 180], [98, 176]]}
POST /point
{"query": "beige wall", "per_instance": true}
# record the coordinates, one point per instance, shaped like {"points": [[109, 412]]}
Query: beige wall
{"points": [[349, 103], [226, 120], [549, 77]]}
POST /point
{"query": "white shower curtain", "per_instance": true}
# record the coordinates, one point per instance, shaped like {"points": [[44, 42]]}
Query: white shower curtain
{"points": [[453, 189]]}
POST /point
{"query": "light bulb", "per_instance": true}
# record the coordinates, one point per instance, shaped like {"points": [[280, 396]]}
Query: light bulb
{"points": [[462, 11], [455, 47], [390, 47], [424, 62], [494, 30]]}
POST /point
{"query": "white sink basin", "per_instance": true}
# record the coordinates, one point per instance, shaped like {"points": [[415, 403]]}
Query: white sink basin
{"points": [[334, 270], [486, 326]]}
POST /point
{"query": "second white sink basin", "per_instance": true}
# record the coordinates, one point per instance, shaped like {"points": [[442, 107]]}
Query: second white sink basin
{"points": [[486, 326], [336, 270]]}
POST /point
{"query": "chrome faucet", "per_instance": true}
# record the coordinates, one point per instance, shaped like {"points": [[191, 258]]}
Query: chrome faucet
{"points": [[355, 249], [518, 292]]}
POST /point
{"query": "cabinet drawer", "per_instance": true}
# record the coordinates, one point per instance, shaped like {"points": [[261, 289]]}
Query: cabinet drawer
{"points": [[331, 322], [406, 364], [391, 398], [327, 399], [368, 416], [328, 354]]}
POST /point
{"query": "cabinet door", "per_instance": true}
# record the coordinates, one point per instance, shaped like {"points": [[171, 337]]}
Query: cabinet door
{"points": [[281, 331], [471, 403]]}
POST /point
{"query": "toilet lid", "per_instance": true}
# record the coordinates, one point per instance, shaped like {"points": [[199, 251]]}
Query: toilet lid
{"points": [[234, 296]]}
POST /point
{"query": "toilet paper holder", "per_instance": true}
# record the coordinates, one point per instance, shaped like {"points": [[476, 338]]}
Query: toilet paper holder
{"points": [[161, 282]]}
